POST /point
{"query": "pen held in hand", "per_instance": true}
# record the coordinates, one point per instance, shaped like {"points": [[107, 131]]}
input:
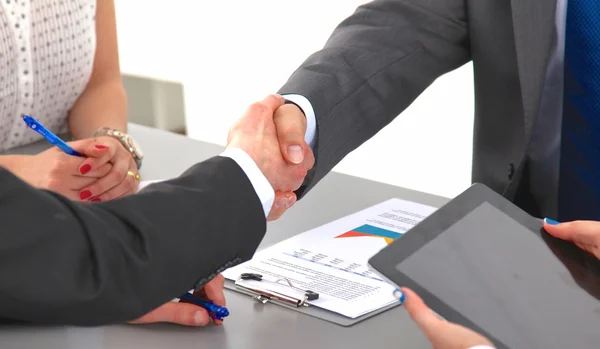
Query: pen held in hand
{"points": [[49, 136], [216, 312]]}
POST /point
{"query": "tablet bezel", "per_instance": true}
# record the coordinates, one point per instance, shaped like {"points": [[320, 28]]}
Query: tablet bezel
{"points": [[385, 262]]}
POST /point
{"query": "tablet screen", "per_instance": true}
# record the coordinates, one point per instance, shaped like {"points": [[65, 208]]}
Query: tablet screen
{"points": [[524, 294]]}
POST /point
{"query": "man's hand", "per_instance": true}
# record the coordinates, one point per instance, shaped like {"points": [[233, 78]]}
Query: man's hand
{"points": [[441, 333], [585, 234], [188, 314], [291, 129], [285, 169], [290, 124]]}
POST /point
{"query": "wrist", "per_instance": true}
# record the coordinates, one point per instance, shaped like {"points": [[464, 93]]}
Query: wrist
{"points": [[17, 164], [287, 101], [249, 155], [13, 162], [262, 186], [125, 140]]}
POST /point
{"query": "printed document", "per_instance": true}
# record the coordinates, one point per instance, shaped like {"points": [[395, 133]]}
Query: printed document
{"points": [[144, 184], [332, 259]]}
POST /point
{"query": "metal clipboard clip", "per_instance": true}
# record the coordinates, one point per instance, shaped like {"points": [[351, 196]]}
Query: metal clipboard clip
{"points": [[280, 291]]}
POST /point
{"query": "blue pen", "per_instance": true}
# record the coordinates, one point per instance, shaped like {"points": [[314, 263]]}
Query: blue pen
{"points": [[50, 137], [215, 311]]}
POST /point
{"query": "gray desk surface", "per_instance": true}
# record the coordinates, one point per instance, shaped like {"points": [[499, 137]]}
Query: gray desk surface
{"points": [[251, 324]]}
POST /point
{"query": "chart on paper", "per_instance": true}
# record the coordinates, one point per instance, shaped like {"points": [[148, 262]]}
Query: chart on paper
{"points": [[332, 259], [367, 230], [333, 262]]}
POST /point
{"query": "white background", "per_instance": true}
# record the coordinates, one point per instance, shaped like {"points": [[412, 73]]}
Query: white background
{"points": [[229, 54]]}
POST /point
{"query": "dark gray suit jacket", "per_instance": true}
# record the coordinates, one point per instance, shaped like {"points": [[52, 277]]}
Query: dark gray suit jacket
{"points": [[383, 56], [65, 262]]}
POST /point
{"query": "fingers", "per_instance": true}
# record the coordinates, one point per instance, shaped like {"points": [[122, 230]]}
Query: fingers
{"points": [[282, 202], [291, 128], [426, 319], [136, 183], [259, 114], [67, 185], [75, 183], [273, 102], [214, 292], [581, 232], [92, 147], [97, 156], [441, 333], [290, 125], [95, 167], [98, 172], [178, 313], [99, 149], [127, 186], [112, 185]]}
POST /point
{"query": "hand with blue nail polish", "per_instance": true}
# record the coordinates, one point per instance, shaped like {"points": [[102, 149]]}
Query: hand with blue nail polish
{"points": [[399, 296], [585, 234], [441, 333]]}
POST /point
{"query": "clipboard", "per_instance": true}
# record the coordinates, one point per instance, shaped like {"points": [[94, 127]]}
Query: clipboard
{"points": [[283, 293]]}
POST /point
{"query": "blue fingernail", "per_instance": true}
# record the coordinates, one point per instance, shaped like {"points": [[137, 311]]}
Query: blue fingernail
{"points": [[550, 221], [399, 295]]}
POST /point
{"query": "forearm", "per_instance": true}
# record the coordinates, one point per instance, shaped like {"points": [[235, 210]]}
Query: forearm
{"points": [[10, 162], [374, 66], [103, 104], [115, 261]]}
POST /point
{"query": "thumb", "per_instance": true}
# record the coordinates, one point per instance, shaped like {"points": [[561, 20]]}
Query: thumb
{"points": [[426, 319], [214, 292], [586, 232], [291, 128], [176, 312]]}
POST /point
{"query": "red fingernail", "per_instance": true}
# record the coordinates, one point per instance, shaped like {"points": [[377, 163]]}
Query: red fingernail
{"points": [[85, 169], [85, 194], [101, 147], [96, 200]]}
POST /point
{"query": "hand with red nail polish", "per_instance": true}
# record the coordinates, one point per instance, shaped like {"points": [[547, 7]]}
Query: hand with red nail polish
{"points": [[65, 174], [115, 182]]}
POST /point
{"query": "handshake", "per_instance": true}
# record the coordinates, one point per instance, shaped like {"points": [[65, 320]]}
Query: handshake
{"points": [[272, 134]]}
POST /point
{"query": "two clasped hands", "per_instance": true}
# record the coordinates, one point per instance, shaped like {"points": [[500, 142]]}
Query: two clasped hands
{"points": [[105, 172], [272, 133]]}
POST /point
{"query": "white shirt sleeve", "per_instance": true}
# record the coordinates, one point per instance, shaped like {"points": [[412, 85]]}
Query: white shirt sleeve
{"points": [[261, 185], [481, 347], [311, 120]]}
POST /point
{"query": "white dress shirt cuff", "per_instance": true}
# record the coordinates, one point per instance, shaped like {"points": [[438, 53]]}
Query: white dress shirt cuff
{"points": [[311, 121], [261, 185]]}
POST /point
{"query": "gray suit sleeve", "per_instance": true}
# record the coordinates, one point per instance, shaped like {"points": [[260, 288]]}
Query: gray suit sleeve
{"points": [[70, 263], [373, 66]]}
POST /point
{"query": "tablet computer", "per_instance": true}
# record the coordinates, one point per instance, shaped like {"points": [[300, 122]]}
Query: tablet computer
{"points": [[482, 262]]}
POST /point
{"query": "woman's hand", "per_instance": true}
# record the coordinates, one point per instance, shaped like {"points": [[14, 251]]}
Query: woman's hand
{"points": [[441, 333], [585, 234], [64, 174], [119, 181]]}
